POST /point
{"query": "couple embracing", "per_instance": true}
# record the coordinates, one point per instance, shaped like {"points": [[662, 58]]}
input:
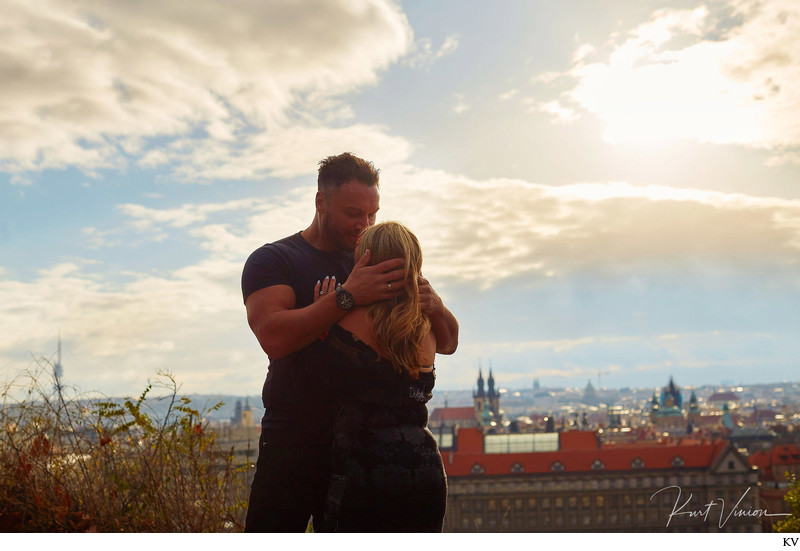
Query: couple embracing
{"points": [[351, 329]]}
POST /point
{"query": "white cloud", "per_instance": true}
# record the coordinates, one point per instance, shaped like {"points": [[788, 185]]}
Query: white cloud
{"points": [[508, 95], [284, 153], [701, 76], [84, 83], [559, 113], [488, 231], [423, 54], [460, 105]]}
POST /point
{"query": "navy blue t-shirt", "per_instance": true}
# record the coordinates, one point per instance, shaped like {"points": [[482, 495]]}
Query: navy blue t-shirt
{"points": [[297, 392]]}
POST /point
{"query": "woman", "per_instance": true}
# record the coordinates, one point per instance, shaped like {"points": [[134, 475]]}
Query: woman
{"points": [[387, 474]]}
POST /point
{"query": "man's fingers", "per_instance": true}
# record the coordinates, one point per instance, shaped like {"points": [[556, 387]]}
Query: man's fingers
{"points": [[390, 265], [363, 260]]}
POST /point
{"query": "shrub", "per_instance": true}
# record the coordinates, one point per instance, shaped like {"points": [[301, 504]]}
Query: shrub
{"points": [[72, 463], [792, 498]]}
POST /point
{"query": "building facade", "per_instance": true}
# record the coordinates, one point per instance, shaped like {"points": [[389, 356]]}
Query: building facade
{"points": [[578, 485]]}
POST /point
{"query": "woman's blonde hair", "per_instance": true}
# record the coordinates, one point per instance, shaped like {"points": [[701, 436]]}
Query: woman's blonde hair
{"points": [[398, 325]]}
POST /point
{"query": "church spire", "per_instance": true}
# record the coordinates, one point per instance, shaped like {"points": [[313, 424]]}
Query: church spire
{"points": [[481, 392]]}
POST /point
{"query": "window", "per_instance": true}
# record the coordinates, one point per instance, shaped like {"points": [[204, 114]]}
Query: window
{"points": [[520, 443], [531, 503], [586, 502], [492, 505]]}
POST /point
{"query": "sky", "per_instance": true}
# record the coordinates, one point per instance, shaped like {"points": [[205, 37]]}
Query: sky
{"points": [[604, 191]]}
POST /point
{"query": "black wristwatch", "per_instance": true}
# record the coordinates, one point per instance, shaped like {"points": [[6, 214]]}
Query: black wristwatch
{"points": [[344, 299]]}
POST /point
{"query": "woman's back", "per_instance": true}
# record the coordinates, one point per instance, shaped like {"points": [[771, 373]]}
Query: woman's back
{"points": [[387, 474], [358, 323]]}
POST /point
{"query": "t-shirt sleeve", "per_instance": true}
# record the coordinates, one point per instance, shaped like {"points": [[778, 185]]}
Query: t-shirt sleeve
{"points": [[264, 268]]}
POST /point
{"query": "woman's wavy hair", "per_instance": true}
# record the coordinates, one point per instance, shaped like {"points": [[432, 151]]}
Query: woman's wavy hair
{"points": [[398, 325]]}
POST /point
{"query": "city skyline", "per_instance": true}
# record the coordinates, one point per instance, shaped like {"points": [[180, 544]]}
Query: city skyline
{"points": [[599, 188]]}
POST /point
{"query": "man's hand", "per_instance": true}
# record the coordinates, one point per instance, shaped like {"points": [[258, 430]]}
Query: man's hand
{"points": [[443, 322], [429, 301], [370, 284]]}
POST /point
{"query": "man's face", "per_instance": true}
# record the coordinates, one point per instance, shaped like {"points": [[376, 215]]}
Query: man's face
{"points": [[345, 212]]}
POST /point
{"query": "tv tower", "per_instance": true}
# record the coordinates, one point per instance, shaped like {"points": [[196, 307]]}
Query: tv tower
{"points": [[58, 370]]}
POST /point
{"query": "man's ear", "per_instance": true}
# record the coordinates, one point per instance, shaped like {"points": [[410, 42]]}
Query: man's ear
{"points": [[320, 201]]}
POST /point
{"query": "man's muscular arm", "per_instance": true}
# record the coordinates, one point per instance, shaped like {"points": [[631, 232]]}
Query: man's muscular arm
{"points": [[443, 322], [281, 329]]}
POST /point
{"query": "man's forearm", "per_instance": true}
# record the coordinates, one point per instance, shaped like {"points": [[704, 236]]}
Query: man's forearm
{"points": [[445, 327], [286, 331]]}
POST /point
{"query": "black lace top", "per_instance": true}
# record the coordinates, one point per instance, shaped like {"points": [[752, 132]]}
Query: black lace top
{"points": [[386, 471], [368, 382]]}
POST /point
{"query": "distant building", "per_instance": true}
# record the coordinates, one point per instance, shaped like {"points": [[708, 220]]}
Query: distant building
{"points": [[452, 417], [485, 413], [666, 410], [774, 465], [242, 415], [723, 397], [590, 395], [486, 403], [569, 482]]}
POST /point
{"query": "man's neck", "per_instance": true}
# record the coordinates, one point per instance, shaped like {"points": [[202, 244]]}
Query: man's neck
{"points": [[314, 236]]}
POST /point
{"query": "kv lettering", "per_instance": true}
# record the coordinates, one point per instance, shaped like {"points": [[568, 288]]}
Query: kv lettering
{"points": [[790, 542]]}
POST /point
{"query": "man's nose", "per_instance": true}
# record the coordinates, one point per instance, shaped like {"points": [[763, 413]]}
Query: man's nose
{"points": [[363, 223]]}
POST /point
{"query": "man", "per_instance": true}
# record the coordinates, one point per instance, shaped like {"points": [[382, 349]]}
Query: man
{"points": [[278, 284]]}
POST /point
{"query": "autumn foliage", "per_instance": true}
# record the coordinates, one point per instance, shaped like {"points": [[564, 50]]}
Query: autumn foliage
{"points": [[70, 463]]}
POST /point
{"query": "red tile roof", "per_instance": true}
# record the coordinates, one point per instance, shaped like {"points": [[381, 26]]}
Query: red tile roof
{"points": [[653, 455], [788, 454], [452, 414], [723, 397], [578, 440]]}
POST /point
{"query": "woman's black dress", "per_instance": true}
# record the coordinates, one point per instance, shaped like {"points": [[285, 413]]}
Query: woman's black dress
{"points": [[387, 474]]}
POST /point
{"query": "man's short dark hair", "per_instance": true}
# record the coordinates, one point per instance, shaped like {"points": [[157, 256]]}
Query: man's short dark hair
{"points": [[339, 169]]}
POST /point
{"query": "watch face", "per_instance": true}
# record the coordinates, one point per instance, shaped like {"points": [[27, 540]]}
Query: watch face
{"points": [[344, 299]]}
